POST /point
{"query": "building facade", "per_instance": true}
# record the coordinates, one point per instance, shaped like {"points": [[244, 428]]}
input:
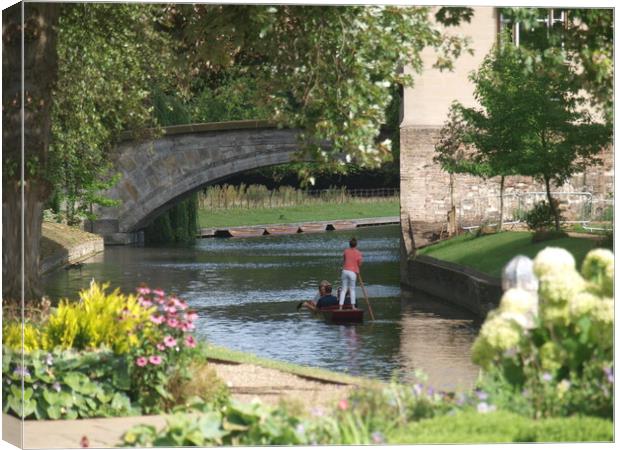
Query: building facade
{"points": [[425, 187]]}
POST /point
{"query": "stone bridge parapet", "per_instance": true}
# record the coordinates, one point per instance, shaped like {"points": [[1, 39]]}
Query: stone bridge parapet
{"points": [[157, 173]]}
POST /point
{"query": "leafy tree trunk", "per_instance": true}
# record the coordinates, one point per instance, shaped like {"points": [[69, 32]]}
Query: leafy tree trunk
{"points": [[552, 205], [501, 203], [39, 74]]}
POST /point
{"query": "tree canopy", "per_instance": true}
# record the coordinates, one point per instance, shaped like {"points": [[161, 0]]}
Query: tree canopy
{"points": [[585, 39]]}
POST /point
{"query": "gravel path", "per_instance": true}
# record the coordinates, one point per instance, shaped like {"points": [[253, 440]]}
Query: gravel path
{"points": [[247, 381]]}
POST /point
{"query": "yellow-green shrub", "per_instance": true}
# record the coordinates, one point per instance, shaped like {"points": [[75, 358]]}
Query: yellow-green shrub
{"points": [[12, 336], [98, 319]]}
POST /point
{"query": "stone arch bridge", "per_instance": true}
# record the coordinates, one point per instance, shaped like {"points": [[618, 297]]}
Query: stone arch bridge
{"points": [[156, 173]]}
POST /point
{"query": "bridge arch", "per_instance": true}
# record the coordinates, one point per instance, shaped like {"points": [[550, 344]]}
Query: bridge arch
{"points": [[156, 173]]}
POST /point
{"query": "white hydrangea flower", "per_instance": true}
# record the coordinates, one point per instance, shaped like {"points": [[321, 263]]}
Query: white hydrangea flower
{"points": [[501, 333], [604, 311], [524, 321], [598, 267], [518, 301], [559, 287], [582, 304], [553, 260]]}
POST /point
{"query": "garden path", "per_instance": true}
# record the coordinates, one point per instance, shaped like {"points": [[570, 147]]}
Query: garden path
{"points": [[245, 381]]}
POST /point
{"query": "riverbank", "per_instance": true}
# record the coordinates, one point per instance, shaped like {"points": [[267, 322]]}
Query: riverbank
{"points": [[490, 253], [62, 244], [312, 212]]}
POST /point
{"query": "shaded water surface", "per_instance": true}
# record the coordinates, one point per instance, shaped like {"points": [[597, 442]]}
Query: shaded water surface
{"points": [[246, 291]]}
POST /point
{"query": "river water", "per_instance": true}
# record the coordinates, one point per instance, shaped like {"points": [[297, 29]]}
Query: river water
{"points": [[246, 291]]}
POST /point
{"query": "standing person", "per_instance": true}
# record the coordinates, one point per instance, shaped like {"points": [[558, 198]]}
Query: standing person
{"points": [[352, 260]]}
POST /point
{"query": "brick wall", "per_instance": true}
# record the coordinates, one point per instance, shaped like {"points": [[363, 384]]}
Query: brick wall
{"points": [[425, 190]]}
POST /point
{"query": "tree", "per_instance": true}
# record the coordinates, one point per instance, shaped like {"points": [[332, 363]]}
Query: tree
{"points": [[532, 120], [24, 185], [455, 155]]}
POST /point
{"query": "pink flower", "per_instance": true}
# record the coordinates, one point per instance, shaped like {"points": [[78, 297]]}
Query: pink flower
{"points": [[190, 341], [155, 360], [170, 308], [169, 341], [161, 347], [191, 316], [343, 404], [187, 326], [144, 290], [144, 302], [181, 305], [157, 319], [160, 300], [172, 323], [159, 292], [141, 361]]}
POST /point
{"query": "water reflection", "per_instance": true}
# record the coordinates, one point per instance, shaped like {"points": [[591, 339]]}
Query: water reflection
{"points": [[246, 291]]}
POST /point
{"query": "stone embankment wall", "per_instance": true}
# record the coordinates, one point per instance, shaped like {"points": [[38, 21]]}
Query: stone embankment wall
{"points": [[61, 245], [470, 289]]}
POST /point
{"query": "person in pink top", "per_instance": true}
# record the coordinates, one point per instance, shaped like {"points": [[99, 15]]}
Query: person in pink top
{"points": [[352, 260]]}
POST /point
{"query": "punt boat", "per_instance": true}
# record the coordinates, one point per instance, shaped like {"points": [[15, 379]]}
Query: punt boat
{"points": [[246, 232], [282, 229], [333, 314], [312, 227], [343, 225]]}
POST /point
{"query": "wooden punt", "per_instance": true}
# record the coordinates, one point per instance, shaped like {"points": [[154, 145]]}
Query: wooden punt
{"points": [[332, 314], [285, 229], [312, 227], [343, 225], [246, 232]]}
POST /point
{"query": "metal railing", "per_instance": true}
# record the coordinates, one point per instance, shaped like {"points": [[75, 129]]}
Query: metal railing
{"points": [[258, 196], [516, 205]]}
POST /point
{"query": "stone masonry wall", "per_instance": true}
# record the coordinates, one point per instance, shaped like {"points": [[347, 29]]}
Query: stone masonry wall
{"points": [[425, 192]]}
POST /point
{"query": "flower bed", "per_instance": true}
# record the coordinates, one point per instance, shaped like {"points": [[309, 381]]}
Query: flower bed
{"points": [[108, 354]]}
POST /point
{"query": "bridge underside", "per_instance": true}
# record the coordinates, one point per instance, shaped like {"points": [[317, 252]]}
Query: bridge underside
{"points": [[156, 174]]}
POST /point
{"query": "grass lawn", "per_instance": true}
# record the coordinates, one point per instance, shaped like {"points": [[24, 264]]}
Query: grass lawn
{"points": [[292, 214], [490, 253]]}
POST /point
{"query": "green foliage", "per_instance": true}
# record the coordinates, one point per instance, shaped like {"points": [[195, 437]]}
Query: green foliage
{"points": [[178, 224], [65, 385], [110, 57], [232, 424], [393, 415], [12, 335], [553, 354], [139, 358], [327, 70], [540, 217], [100, 319], [585, 40], [472, 427]]}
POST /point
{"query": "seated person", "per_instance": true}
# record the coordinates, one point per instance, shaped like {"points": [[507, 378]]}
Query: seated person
{"points": [[327, 299], [312, 304]]}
